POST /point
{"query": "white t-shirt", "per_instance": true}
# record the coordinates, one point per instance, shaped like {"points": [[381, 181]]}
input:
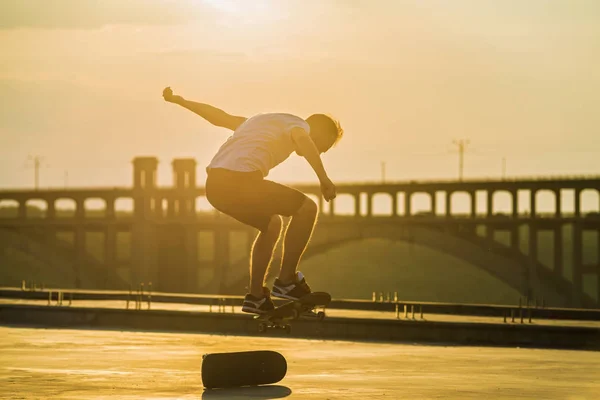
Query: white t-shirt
{"points": [[259, 144]]}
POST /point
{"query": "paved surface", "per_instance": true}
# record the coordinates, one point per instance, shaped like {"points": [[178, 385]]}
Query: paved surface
{"points": [[330, 312], [86, 364]]}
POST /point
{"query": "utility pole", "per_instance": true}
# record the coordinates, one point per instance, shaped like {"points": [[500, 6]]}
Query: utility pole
{"points": [[66, 178], [383, 172], [503, 167], [37, 160], [462, 143]]}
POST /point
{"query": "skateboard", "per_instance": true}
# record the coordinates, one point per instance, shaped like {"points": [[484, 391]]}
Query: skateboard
{"points": [[245, 368], [294, 309]]}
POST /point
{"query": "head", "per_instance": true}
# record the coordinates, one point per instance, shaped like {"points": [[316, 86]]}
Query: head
{"points": [[324, 131]]}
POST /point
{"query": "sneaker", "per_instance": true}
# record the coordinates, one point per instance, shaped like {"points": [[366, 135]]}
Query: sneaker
{"points": [[257, 305], [293, 290]]}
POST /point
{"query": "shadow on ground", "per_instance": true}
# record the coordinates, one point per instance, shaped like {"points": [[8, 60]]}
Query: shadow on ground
{"points": [[248, 392]]}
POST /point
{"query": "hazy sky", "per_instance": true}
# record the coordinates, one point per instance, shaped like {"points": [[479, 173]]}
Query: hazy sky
{"points": [[81, 82]]}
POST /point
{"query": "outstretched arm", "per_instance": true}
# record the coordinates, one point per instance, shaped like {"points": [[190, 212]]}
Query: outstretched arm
{"points": [[306, 148], [212, 114]]}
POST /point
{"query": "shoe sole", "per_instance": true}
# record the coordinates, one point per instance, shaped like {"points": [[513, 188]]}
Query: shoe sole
{"points": [[284, 296], [254, 311]]}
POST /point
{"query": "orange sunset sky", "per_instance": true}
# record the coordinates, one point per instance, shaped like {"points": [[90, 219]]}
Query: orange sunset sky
{"points": [[81, 83]]}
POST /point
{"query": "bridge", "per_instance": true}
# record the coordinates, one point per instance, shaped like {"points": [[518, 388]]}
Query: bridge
{"points": [[173, 245]]}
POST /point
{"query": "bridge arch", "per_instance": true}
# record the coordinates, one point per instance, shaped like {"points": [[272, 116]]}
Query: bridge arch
{"points": [[36, 208], [507, 265], [9, 208], [546, 202], [422, 203], [590, 201], [460, 202], [65, 207], [345, 204], [382, 204], [95, 207], [502, 203]]}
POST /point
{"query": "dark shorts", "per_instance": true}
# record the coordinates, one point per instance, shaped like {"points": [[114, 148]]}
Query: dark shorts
{"points": [[249, 198]]}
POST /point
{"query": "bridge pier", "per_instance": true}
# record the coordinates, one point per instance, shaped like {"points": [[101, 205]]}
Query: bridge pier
{"points": [[221, 260], [144, 241], [490, 203], [51, 209], [407, 204], [558, 211], [598, 267], [110, 208], [558, 252], [515, 203], [144, 255], [577, 263], [532, 279], [532, 203], [110, 249], [22, 212], [80, 251]]}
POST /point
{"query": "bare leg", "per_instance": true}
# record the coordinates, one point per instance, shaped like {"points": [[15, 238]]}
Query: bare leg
{"points": [[297, 236], [262, 253]]}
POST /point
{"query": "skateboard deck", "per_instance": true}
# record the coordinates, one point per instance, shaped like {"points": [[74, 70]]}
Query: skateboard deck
{"points": [[246, 368], [279, 318]]}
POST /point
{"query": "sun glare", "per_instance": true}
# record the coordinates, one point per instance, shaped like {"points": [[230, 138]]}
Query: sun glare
{"points": [[240, 8]]}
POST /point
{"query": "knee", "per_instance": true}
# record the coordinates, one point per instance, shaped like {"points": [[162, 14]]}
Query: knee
{"points": [[274, 229], [308, 209]]}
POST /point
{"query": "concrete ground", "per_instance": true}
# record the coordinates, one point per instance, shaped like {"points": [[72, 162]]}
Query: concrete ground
{"points": [[86, 364]]}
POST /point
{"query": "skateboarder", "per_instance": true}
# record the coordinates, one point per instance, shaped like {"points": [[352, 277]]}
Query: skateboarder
{"points": [[236, 186]]}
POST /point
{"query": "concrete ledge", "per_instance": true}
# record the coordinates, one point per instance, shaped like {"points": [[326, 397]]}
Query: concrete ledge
{"points": [[482, 310], [457, 333]]}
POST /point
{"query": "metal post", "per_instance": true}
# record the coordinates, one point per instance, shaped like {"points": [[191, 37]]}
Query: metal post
{"points": [[149, 294]]}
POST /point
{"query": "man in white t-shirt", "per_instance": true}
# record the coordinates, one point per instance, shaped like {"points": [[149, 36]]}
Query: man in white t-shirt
{"points": [[236, 186]]}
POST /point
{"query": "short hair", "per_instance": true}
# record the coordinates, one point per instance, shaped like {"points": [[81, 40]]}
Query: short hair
{"points": [[326, 123]]}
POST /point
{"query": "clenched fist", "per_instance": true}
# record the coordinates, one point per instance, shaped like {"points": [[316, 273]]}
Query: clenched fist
{"points": [[328, 190], [170, 97]]}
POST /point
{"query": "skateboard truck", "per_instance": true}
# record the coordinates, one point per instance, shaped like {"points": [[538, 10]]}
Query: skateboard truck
{"points": [[281, 316]]}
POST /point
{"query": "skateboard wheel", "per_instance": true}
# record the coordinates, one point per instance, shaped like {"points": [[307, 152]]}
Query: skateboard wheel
{"points": [[320, 315]]}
